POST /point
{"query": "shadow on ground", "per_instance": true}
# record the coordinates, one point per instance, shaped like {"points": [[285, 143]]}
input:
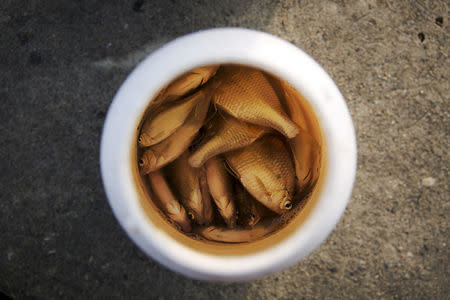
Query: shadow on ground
{"points": [[64, 61]]}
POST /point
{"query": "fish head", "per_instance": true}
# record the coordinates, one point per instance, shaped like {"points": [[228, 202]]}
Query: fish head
{"points": [[145, 140], [147, 162], [253, 219], [283, 198], [196, 206], [206, 72], [195, 217]]}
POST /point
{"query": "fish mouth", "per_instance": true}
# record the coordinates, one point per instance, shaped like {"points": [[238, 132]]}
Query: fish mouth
{"points": [[143, 164], [144, 140], [147, 162], [253, 220], [284, 199]]}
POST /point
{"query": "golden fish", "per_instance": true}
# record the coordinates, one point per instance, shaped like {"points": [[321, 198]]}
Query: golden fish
{"points": [[266, 170], [186, 181], [168, 204], [250, 210], [306, 154], [186, 84], [156, 129], [208, 211], [305, 148], [226, 133], [247, 95], [228, 235], [221, 188], [169, 149]]}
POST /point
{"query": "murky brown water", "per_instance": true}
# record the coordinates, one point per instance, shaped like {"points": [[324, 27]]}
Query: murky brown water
{"points": [[306, 151]]}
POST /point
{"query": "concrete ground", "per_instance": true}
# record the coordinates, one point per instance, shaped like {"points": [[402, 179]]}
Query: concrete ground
{"points": [[61, 63]]}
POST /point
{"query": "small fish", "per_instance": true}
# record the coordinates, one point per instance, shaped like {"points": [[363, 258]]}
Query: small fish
{"points": [[168, 203], [186, 181], [226, 133], [250, 210], [247, 95], [227, 235], [208, 211], [291, 100], [186, 84], [265, 168], [305, 148], [306, 153], [221, 188], [169, 149], [156, 129]]}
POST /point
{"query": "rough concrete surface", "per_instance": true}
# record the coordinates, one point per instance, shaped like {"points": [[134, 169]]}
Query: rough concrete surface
{"points": [[62, 62]]}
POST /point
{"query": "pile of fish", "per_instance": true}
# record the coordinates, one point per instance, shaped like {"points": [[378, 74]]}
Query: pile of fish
{"points": [[221, 153]]}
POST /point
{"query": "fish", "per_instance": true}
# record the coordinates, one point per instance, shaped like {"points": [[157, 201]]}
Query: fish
{"points": [[168, 150], [221, 188], [167, 201], [186, 84], [266, 169], [185, 180], [156, 129], [250, 211], [241, 235], [305, 148], [246, 94], [291, 100], [225, 133], [306, 154], [208, 210]]}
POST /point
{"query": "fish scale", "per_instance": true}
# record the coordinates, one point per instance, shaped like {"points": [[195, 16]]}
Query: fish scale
{"points": [[227, 133], [266, 170], [247, 95]]}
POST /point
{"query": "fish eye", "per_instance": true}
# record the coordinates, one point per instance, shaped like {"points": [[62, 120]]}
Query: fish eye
{"points": [[140, 139], [191, 216], [141, 162], [288, 205]]}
